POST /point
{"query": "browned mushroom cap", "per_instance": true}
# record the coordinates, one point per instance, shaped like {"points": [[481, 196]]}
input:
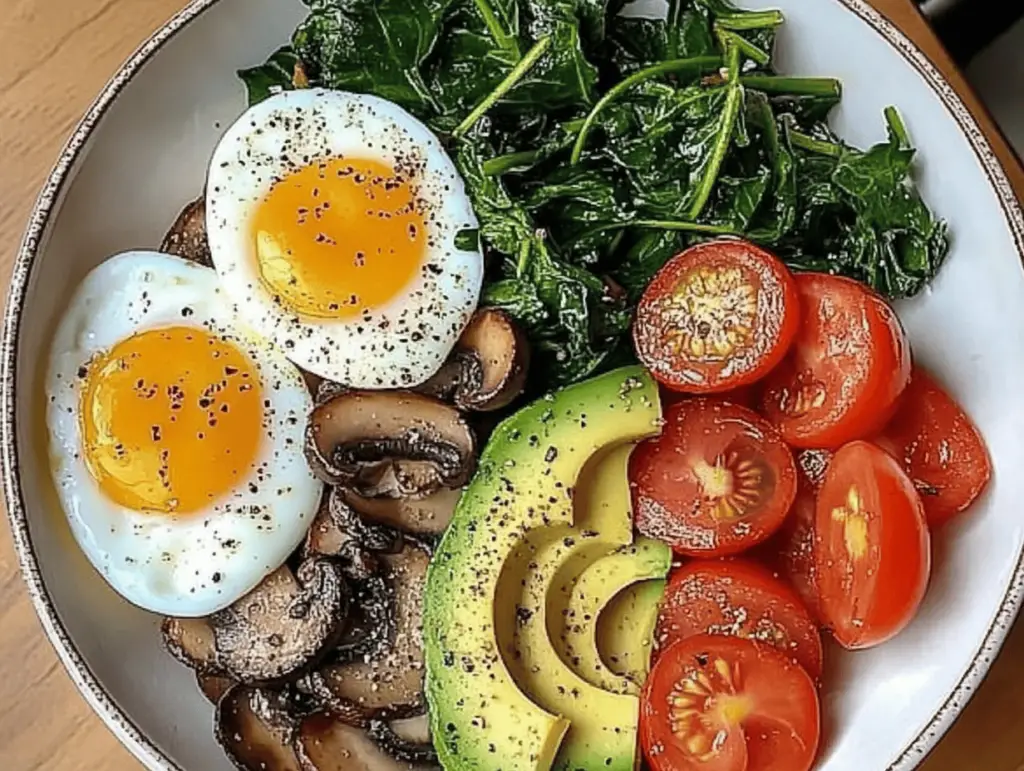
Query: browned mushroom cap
{"points": [[390, 444], [325, 743], [388, 683], [191, 641], [418, 516], [285, 625], [407, 739], [256, 728], [371, 623], [337, 529], [214, 687], [488, 369], [187, 236]]}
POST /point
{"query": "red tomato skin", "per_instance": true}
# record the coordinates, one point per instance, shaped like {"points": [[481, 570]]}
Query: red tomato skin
{"points": [[795, 550], [774, 333], [939, 447], [791, 551], [867, 601], [744, 396], [669, 502], [879, 356], [740, 598], [782, 731]]}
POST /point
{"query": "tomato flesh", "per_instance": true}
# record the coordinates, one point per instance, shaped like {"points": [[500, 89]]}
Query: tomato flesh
{"points": [[714, 703], [717, 316], [718, 479], [847, 368], [742, 599], [939, 447], [872, 548]]}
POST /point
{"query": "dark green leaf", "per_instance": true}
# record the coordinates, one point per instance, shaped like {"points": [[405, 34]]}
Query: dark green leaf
{"points": [[468, 240], [486, 41], [737, 200], [860, 215], [684, 33], [580, 207], [277, 74], [663, 140], [373, 46], [504, 224], [651, 250], [518, 297], [778, 216]]}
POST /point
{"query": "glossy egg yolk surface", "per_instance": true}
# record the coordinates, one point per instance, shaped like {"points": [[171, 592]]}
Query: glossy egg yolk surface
{"points": [[172, 419], [339, 237]]}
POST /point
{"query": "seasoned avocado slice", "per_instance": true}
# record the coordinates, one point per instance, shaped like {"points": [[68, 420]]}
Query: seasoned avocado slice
{"points": [[542, 574], [594, 593], [480, 718], [625, 630]]}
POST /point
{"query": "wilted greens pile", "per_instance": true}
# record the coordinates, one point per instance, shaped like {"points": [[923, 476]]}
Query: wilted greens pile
{"points": [[596, 146]]}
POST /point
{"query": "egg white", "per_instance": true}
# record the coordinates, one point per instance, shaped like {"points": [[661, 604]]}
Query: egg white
{"points": [[198, 563], [399, 344]]}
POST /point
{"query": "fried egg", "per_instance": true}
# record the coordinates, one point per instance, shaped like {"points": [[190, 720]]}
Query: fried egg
{"points": [[175, 437], [334, 221]]}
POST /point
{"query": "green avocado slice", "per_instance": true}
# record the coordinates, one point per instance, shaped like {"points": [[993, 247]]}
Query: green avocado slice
{"points": [[480, 717], [541, 573], [581, 617], [625, 630]]}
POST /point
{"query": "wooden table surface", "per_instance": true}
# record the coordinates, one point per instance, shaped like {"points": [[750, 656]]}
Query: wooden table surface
{"points": [[55, 55]]}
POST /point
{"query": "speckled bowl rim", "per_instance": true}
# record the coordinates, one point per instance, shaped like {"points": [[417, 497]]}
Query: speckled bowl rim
{"points": [[36, 236]]}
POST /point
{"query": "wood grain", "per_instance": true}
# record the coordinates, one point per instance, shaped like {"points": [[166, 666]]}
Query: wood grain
{"points": [[55, 55]]}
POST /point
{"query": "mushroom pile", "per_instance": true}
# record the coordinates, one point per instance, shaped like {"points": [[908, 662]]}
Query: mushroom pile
{"points": [[320, 668]]}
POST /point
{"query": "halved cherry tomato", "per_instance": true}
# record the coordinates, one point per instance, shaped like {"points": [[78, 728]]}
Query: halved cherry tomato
{"points": [[872, 551], [847, 368], [742, 599], [719, 315], [794, 545], [715, 703], [745, 396], [939, 447], [717, 481], [812, 465]]}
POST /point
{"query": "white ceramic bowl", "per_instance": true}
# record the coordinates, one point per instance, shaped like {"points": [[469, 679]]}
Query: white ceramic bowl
{"points": [[141, 153]]}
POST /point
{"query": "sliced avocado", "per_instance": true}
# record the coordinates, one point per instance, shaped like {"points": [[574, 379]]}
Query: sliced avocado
{"points": [[577, 624], [542, 574], [480, 718], [625, 630]]}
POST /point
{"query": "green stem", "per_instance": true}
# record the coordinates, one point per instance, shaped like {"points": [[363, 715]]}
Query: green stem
{"points": [[809, 143], [698, 63], [687, 227], [777, 84], [684, 226], [524, 258], [416, 80], [505, 86], [730, 112], [897, 128], [748, 20], [728, 38], [501, 37], [500, 164]]}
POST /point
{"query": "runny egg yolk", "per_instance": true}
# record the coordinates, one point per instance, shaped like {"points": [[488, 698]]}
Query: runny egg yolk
{"points": [[172, 419], [339, 237]]}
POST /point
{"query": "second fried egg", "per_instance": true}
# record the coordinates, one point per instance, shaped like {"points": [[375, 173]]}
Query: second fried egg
{"points": [[334, 222], [175, 437]]}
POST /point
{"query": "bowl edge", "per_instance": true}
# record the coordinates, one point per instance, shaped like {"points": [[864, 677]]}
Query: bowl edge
{"points": [[35, 236]]}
